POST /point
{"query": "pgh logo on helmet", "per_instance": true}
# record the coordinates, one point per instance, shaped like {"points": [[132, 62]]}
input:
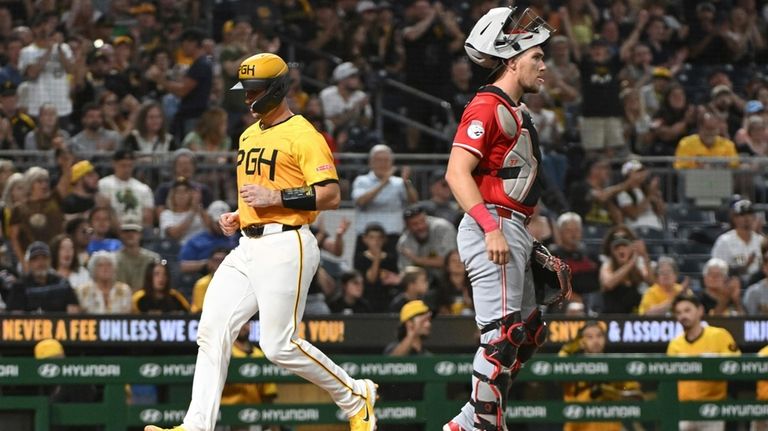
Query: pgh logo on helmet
{"points": [[267, 73]]}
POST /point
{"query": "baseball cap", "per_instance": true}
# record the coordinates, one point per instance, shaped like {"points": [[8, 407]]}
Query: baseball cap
{"points": [[412, 309], [8, 88], [753, 107], [344, 71], [81, 169], [742, 206], [122, 40], [48, 348], [131, 224], [123, 154], [142, 8], [365, 6], [661, 72], [631, 166], [720, 89], [217, 208], [38, 248]]}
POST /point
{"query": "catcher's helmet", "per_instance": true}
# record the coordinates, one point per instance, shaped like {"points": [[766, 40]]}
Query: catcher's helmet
{"points": [[500, 34], [264, 72]]}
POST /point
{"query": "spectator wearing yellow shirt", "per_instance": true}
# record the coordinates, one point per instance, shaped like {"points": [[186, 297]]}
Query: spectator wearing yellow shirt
{"points": [[706, 143], [591, 340], [762, 395], [248, 393], [657, 300], [201, 285], [698, 340]]}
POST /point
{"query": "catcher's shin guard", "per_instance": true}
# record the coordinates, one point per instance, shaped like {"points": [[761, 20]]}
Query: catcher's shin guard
{"points": [[535, 335], [503, 350]]}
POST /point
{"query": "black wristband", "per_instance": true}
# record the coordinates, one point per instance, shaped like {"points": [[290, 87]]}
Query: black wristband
{"points": [[299, 198]]}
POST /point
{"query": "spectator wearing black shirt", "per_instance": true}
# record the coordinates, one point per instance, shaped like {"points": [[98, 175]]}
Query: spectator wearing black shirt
{"points": [[351, 300], [592, 198], [378, 267], [194, 89], [157, 296], [721, 293], [40, 289], [21, 123], [675, 119], [82, 194], [584, 265], [706, 39], [601, 128]]}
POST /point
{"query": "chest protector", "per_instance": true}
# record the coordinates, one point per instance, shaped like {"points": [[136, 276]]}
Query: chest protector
{"points": [[519, 167]]}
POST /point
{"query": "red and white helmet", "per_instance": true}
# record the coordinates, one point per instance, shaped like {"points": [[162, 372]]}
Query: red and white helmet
{"points": [[500, 34]]}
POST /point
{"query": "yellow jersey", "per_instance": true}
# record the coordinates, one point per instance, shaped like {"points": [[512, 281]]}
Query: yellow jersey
{"points": [[287, 155], [656, 295], [248, 393], [762, 385], [691, 146], [712, 340], [198, 293]]}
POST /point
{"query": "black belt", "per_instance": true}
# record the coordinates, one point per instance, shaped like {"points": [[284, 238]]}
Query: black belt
{"points": [[257, 230]]}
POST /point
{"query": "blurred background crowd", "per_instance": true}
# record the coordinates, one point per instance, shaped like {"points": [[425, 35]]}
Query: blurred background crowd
{"points": [[118, 137]]}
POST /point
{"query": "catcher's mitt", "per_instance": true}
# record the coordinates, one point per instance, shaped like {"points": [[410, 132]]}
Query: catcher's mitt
{"points": [[551, 276]]}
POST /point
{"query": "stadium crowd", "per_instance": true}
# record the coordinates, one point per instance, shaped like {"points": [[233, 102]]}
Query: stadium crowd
{"points": [[95, 90]]}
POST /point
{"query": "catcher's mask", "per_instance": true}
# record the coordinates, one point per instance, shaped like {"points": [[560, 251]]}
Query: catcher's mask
{"points": [[501, 34], [266, 72]]}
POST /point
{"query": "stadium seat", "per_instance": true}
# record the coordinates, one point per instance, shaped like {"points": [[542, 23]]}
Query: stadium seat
{"points": [[685, 248], [689, 214]]}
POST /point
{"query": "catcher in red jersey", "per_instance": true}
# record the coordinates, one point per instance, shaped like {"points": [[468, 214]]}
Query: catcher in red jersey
{"points": [[493, 171], [285, 175]]}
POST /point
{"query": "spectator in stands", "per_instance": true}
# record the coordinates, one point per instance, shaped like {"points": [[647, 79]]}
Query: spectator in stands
{"points": [[591, 341], [43, 137], [210, 132], [104, 295], [194, 89], [103, 230], [440, 203], [184, 165], [7, 168], [578, 19], [234, 49], [549, 130], [641, 204], [128, 196], [150, 134], [94, 137], [380, 196], [728, 107], [652, 93], [50, 348], [40, 289], [350, 300], [425, 242], [20, 124], [46, 64], [584, 267], [593, 198], [454, 293], [721, 293], [756, 296], [248, 393], [15, 192], [706, 143], [133, 259], [66, 263], [657, 300], [706, 39], [378, 266], [415, 284], [157, 295], [415, 326], [10, 71], [623, 275], [636, 123], [80, 231], [753, 141], [638, 72], [194, 252], [460, 90], [562, 78], [699, 340], [83, 193], [40, 218], [119, 115], [675, 119], [740, 247], [600, 125], [345, 105], [201, 285], [185, 216]]}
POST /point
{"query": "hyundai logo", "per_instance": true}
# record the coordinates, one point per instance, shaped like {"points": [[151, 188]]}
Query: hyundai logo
{"points": [[541, 368], [709, 410], [351, 368], [445, 368], [150, 370], [637, 368], [149, 416], [730, 367], [249, 415], [250, 370], [48, 370], [573, 412]]}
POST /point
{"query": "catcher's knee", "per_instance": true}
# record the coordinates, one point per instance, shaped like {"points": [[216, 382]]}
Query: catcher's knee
{"points": [[536, 333], [503, 350]]}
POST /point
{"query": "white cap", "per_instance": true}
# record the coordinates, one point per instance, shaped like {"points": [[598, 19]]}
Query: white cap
{"points": [[344, 71], [631, 166], [217, 208], [365, 6]]}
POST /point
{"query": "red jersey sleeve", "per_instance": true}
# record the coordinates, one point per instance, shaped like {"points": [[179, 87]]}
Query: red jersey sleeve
{"points": [[477, 128]]}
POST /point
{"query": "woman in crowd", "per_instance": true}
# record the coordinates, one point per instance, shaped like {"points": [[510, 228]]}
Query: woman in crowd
{"points": [[623, 274], [15, 192], [157, 296], [454, 295], [151, 132], [675, 119], [184, 216], [117, 116], [66, 262], [657, 300], [210, 133], [104, 295], [47, 130]]}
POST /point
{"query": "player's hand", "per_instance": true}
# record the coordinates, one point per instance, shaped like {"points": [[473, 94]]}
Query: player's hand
{"points": [[257, 196], [229, 223], [497, 247]]}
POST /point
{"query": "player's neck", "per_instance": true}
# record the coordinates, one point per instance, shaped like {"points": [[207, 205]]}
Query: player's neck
{"points": [[515, 92], [276, 116], [694, 333]]}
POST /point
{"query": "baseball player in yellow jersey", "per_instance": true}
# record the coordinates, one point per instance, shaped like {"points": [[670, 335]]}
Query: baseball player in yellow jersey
{"points": [[697, 340], [285, 175]]}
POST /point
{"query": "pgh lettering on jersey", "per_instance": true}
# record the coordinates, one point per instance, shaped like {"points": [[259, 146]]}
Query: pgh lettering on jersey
{"points": [[287, 155]]}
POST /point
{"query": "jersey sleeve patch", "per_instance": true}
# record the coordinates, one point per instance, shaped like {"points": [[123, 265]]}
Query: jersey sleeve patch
{"points": [[324, 167], [475, 129]]}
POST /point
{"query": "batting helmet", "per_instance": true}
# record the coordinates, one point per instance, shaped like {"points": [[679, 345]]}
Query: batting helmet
{"points": [[500, 34], [264, 72]]}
